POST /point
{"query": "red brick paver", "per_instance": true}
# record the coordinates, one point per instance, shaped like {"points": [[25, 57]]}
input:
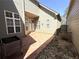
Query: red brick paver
{"points": [[42, 39], [33, 44]]}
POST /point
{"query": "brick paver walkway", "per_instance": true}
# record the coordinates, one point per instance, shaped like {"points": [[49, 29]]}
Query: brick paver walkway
{"points": [[42, 39], [33, 44]]}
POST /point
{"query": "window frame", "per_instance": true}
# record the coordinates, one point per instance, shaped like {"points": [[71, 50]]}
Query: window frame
{"points": [[13, 22], [27, 24], [48, 24], [38, 25]]}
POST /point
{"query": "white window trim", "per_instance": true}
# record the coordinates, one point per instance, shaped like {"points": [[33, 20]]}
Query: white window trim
{"points": [[13, 22], [6, 22], [20, 23]]}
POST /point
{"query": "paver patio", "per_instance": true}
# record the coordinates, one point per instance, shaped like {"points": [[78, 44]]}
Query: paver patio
{"points": [[33, 44], [42, 39], [57, 48]]}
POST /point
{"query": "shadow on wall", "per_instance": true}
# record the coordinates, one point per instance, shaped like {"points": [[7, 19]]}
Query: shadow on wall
{"points": [[42, 8], [52, 14], [32, 19], [47, 11]]}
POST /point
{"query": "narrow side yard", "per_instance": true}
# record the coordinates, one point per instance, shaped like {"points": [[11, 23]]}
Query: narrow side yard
{"points": [[59, 49]]}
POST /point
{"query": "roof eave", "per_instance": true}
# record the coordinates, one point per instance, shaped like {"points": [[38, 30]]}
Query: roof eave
{"points": [[70, 7], [48, 8]]}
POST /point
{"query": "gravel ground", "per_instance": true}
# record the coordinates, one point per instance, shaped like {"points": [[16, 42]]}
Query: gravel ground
{"points": [[58, 49]]}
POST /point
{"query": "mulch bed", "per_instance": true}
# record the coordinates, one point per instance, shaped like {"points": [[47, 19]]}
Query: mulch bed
{"points": [[58, 49]]}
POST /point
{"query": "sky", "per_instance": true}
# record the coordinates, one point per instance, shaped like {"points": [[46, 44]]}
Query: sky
{"points": [[58, 5]]}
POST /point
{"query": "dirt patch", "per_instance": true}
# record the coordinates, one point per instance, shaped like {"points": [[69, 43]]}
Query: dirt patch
{"points": [[59, 49]]}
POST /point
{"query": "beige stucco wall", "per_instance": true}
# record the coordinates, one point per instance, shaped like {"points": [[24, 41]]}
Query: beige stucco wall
{"points": [[73, 22], [31, 7], [43, 17]]}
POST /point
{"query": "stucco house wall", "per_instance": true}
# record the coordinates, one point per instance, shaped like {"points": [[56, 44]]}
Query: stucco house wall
{"points": [[73, 22], [15, 6], [31, 7], [44, 20], [47, 23]]}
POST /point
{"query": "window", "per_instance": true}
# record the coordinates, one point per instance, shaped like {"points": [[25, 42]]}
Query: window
{"points": [[27, 24], [16, 16], [10, 29], [47, 25], [17, 29], [13, 24], [9, 22], [26, 27], [17, 25], [38, 25], [42, 24], [9, 14], [47, 19]]}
